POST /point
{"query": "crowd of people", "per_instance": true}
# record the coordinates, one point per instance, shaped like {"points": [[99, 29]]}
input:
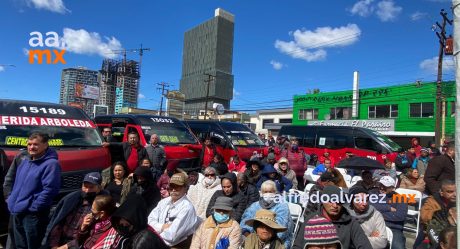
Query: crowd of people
{"points": [[141, 201]]}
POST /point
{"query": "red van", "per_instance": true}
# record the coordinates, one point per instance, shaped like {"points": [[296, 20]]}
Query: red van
{"points": [[72, 134], [172, 132], [338, 140], [234, 138]]}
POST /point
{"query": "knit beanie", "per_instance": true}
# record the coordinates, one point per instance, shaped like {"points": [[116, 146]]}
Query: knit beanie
{"points": [[319, 231]]}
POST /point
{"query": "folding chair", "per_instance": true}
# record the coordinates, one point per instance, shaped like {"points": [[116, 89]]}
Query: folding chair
{"points": [[389, 236], [308, 187], [413, 213], [296, 213], [347, 179], [355, 179]]}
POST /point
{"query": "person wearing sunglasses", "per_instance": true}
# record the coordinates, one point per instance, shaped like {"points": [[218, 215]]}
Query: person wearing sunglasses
{"points": [[201, 193]]}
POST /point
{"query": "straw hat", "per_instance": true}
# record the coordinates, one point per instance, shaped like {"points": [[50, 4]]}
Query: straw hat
{"points": [[267, 218]]}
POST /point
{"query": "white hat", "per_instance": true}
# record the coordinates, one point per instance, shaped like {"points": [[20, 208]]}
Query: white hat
{"points": [[387, 181]]}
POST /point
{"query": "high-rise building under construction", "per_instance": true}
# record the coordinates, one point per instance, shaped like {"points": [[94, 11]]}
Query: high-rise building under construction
{"points": [[119, 81], [208, 50]]}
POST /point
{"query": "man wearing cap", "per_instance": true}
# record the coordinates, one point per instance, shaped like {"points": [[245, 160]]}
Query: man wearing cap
{"points": [[421, 162], [394, 212], [70, 212], [174, 218], [321, 233], [218, 229], [270, 159], [265, 230], [371, 220], [37, 181], [349, 230]]}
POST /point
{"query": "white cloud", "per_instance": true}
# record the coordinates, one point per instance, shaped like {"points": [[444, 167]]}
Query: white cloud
{"points": [[310, 45], [276, 65], [51, 5], [431, 65], [362, 8], [418, 15], [83, 42], [387, 10], [2, 68], [236, 93], [141, 96]]}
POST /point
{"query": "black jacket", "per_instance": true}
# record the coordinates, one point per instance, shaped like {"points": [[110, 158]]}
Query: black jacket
{"points": [[149, 192], [439, 168], [240, 202], [64, 207], [141, 151], [251, 193], [349, 231]]}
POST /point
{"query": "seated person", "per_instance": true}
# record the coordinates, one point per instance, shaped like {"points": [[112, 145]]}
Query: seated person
{"points": [[174, 218], [322, 167], [412, 180], [369, 218], [68, 216], [96, 223], [268, 201], [230, 189], [265, 231], [320, 233], [439, 222], [367, 181], [269, 173], [228, 230]]}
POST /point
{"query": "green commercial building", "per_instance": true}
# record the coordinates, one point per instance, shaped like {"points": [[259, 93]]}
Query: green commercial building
{"points": [[401, 112]]}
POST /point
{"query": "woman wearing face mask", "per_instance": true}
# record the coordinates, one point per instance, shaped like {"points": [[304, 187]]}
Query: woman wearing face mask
{"points": [[272, 201], [117, 182], [229, 189], [96, 223], [200, 194], [219, 230]]}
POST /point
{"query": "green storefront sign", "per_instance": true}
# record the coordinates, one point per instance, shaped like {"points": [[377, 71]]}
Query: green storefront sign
{"points": [[411, 107]]}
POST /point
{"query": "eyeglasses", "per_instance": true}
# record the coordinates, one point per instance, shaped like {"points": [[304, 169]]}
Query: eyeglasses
{"points": [[206, 175]]}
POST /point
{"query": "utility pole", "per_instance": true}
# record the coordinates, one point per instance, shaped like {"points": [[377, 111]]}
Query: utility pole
{"points": [[456, 11], [442, 43], [162, 86], [208, 81]]}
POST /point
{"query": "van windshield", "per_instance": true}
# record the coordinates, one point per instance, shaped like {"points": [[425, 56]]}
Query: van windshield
{"points": [[16, 136], [386, 141], [241, 135], [169, 135]]}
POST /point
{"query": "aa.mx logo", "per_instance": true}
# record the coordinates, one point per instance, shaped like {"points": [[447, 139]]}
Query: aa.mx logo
{"points": [[52, 44], [403, 198]]}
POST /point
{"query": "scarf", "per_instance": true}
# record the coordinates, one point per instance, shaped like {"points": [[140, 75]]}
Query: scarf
{"points": [[266, 205]]}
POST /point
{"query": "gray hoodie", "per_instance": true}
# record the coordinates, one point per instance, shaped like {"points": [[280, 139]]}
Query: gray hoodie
{"points": [[370, 221]]}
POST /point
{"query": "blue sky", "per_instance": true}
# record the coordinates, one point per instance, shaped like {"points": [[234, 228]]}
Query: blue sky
{"points": [[281, 48]]}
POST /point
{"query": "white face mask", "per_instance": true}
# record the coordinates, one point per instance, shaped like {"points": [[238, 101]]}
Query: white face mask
{"points": [[209, 181], [269, 197]]}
